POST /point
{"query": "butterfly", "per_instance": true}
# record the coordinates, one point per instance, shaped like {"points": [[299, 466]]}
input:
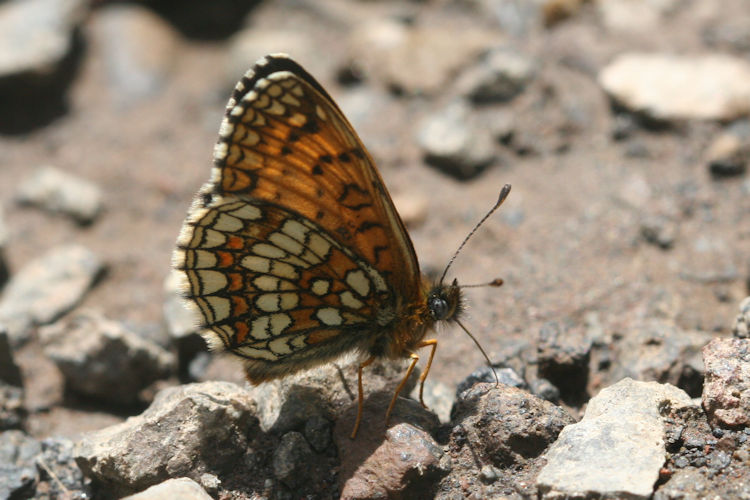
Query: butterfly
{"points": [[293, 253]]}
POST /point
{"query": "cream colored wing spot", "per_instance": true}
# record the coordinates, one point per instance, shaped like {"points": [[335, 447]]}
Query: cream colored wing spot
{"points": [[350, 301], [329, 316], [219, 306], [297, 119], [359, 282], [318, 245], [295, 88], [211, 281], [266, 250], [213, 239], [275, 90], [246, 137], [320, 112], [256, 264], [260, 328], [271, 325], [310, 258], [276, 108], [283, 270], [280, 346], [320, 287], [271, 302], [228, 224], [247, 212], [268, 283], [375, 276], [287, 243], [221, 149], [295, 229], [279, 323], [238, 111], [200, 259]]}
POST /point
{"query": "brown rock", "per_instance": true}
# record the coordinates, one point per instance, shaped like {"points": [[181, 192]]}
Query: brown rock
{"points": [[726, 389], [408, 464]]}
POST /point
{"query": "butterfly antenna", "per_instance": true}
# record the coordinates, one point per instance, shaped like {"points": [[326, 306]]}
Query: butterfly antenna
{"points": [[503, 194], [496, 282], [489, 363]]}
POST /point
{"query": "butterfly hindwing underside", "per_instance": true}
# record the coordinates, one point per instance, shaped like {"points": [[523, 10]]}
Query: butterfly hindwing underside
{"points": [[293, 253]]}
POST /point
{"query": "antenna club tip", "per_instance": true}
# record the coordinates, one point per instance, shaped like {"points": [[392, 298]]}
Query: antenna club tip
{"points": [[504, 192], [496, 282]]}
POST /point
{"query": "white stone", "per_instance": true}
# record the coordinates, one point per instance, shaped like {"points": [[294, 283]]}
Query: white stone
{"points": [[677, 87]]}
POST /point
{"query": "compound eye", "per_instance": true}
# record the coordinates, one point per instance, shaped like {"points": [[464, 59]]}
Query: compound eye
{"points": [[438, 308]]}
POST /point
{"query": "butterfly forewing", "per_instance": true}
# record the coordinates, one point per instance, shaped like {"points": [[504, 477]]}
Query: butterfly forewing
{"points": [[294, 251]]}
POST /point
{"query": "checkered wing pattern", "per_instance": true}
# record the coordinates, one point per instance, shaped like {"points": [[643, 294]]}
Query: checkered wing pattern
{"points": [[293, 253]]}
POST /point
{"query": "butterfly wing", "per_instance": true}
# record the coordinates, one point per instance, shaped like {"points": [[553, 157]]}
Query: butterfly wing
{"points": [[293, 251]]}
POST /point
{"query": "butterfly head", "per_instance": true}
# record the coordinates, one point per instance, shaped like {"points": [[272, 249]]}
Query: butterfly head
{"points": [[445, 302]]}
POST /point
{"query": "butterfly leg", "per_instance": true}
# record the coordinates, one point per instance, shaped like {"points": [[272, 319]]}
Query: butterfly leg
{"points": [[414, 358], [432, 343], [360, 397]]}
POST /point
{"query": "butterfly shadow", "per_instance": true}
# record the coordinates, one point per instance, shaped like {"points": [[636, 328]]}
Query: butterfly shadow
{"points": [[373, 432]]}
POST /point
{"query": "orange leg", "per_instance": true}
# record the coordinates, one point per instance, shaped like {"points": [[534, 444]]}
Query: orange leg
{"points": [[414, 358], [432, 343], [360, 397]]}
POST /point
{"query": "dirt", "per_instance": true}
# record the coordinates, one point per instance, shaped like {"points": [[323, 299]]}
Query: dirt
{"points": [[567, 242]]}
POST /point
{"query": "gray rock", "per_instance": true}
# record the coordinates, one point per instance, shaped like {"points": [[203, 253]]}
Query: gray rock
{"points": [[728, 154], [101, 359], [709, 259], [418, 59], [249, 45], [12, 408], [741, 327], [182, 321], [61, 192], [18, 473], [46, 288], [500, 75], [659, 350], [506, 376], [187, 431], [9, 371], [730, 33], [59, 475], [36, 35], [505, 426], [286, 404], [563, 356], [3, 233], [138, 51], [654, 84], [545, 389], [318, 433], [408, 464], [623, 429], [294, 461], [453, 143], [516, 17], [634, 17], [183, 488], [685, 484], [659, 230], [726, 390], [438, 397], [496, 443]]}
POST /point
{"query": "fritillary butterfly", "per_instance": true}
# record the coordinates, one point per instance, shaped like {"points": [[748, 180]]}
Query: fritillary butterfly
{"points": [[293, 252]]}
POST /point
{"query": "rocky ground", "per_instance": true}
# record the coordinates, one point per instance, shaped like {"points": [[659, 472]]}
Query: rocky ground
{"points": [[620, 336]]}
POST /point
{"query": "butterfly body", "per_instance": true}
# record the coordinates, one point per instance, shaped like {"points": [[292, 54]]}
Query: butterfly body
{"points": [[293, 253]]}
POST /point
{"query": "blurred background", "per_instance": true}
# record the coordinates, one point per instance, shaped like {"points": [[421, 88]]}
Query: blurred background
{"points": [[621, 124]]}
